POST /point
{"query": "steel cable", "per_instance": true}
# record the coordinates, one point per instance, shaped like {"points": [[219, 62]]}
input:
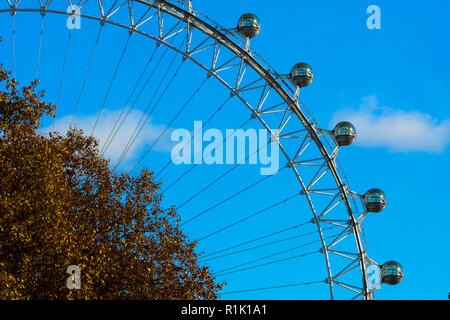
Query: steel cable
{"points": [[139, 95], [257, 239], [274, 287], [248, 217], [266, 244], [133, 139], [229, 198], [111, 135], [63, 72], [226, 271], [195, 164], [145, 118], [112, 82], [220, 177], [41, 35], [91, 59], [221, 274], [195, 134], [170, 123]]}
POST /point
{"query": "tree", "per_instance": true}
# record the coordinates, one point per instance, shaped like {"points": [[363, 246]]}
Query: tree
{"points": [[61, 205]]}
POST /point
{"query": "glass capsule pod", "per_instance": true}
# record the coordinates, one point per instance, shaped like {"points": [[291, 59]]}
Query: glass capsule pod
{"points": [[249, 25], [375, 200], [302, 74], [344, 133], [392, 272]]}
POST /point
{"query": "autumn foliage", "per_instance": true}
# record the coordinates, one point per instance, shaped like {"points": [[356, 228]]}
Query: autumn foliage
{"points": [[61, 205]]}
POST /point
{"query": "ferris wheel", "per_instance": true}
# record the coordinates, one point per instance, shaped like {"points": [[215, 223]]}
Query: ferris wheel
{"points": [[155, 59]]}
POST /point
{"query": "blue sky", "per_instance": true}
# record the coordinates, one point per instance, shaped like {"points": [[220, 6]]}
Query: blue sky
{"points": [[392, 83]]}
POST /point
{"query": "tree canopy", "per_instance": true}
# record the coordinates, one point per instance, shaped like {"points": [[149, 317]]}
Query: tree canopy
{"points": [[61, 205]]}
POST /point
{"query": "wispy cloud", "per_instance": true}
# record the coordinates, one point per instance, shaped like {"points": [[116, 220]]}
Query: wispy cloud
{"points": [[396, 130], [146, 137]]}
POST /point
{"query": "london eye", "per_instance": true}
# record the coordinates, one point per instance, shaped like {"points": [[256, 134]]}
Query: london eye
{"points": [[135, 63]]}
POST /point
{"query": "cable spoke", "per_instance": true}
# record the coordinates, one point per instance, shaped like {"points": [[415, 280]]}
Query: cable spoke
{"points": [[264, 245], [229, 198], [221, 274], [220, 177], [270, 256], [111, 136], [170, 123], [63, 71], [195, 133], [112, 82], [131, 142], [141, 126], [41, 35], [147, 81], [259, 238], [275, 287], [226, 271], [248, 217], [87, 73], [195, 164], [13, 44]]}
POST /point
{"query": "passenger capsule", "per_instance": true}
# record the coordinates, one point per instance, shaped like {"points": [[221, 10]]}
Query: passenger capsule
{"points": [[302, 74], [249, 25], [344, 133], [391, 273], [375, 200]]}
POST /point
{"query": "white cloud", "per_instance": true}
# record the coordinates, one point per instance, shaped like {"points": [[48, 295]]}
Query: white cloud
{"points": [[397, 130], [146, 137]]}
